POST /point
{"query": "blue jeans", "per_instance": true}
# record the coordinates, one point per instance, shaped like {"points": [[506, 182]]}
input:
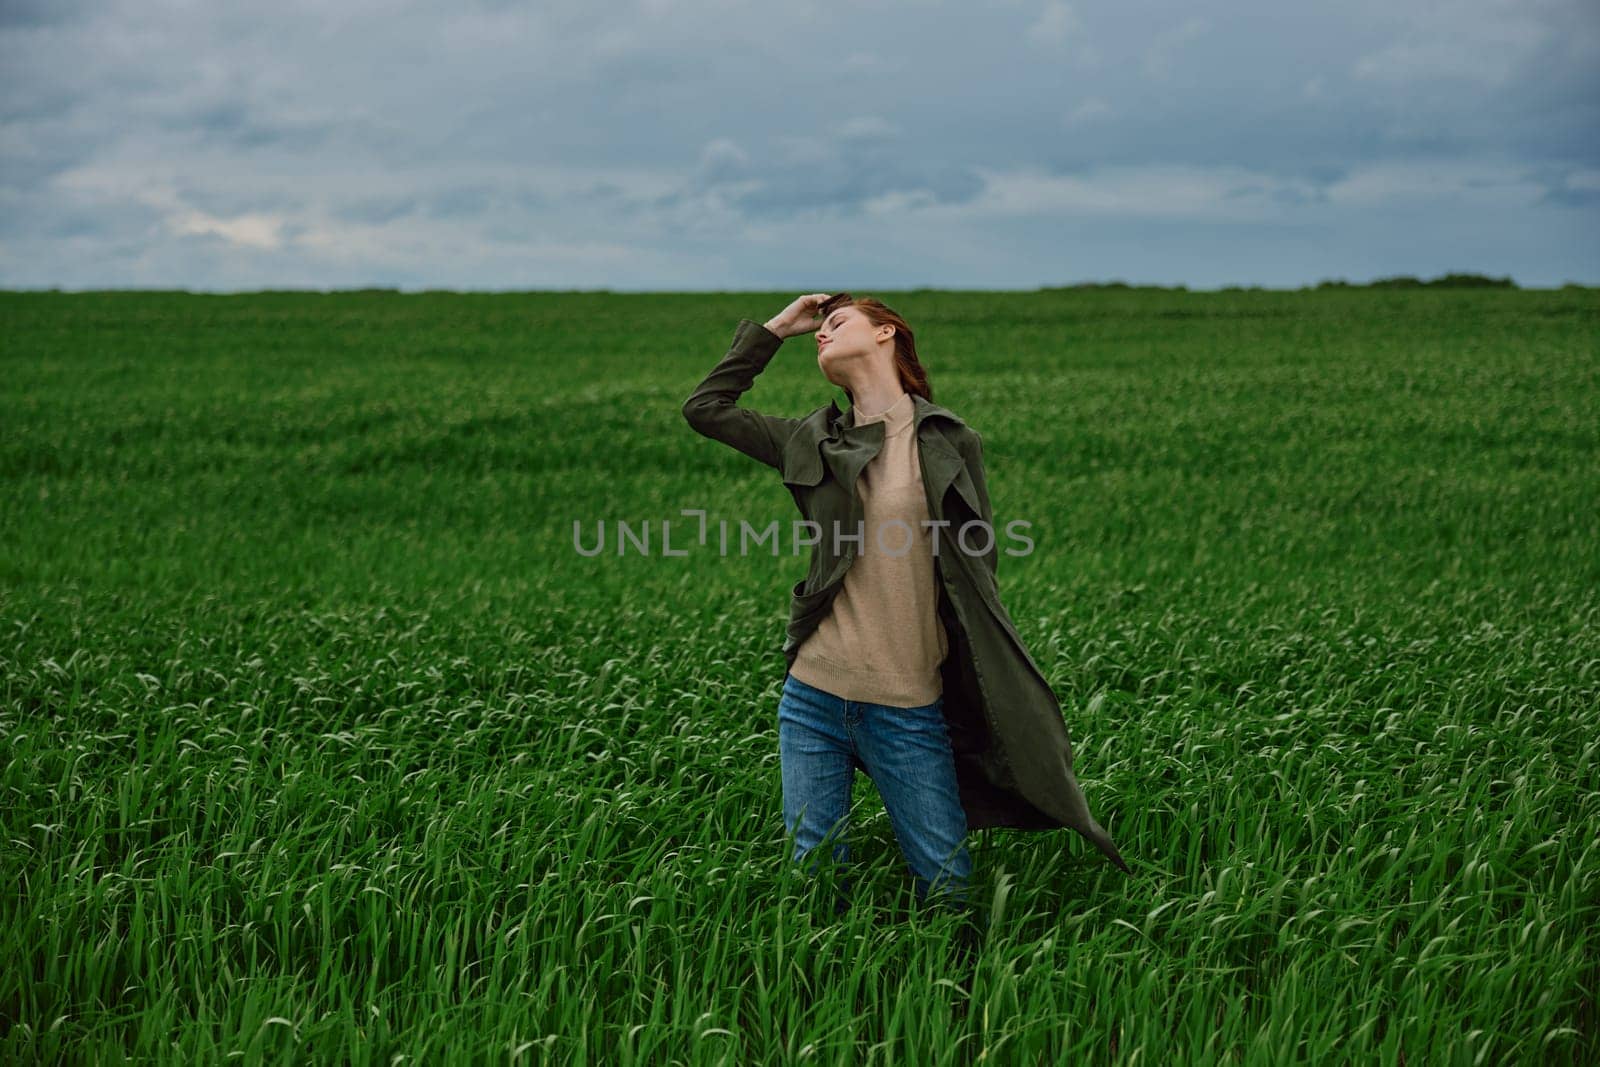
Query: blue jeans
{"points": [[823, 738]]}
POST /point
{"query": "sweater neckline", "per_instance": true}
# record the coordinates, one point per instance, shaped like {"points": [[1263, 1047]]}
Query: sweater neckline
{"points": [[896, 417]]}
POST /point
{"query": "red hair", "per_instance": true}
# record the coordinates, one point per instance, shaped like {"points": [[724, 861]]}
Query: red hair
{"points": [[913, 376]]}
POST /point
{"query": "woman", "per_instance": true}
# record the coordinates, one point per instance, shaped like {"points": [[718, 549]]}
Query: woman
{"points": [[902, 661]]}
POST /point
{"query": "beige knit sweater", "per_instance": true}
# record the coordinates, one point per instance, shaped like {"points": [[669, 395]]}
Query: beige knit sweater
{"points": [[882, 641]]}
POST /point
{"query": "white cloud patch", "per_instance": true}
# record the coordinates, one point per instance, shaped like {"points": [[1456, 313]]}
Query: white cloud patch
{"points": [[1478, 42], [1088, 111], [1168, 46], [1058, 30], [1057, 23], [866, 128], [251, 231]]}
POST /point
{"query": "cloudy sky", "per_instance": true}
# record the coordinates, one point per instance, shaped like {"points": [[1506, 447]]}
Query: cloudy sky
{"points": [[712, 144]]}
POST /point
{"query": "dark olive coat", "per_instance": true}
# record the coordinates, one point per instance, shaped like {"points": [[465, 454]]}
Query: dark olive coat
{"points": [[1012, 754]]}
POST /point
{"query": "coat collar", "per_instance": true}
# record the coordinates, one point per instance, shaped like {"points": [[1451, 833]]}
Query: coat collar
{"points": [[840, 423], [828, 436]]}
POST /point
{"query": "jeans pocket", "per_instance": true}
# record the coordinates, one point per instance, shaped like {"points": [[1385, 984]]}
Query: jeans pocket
{"points": [[799, 695]]}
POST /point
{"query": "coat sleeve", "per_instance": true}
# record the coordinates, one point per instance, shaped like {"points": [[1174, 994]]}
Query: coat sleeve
{"points": [[712, 409], [972, 450]]}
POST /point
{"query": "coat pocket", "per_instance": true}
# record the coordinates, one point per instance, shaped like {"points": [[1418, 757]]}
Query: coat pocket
{"points": [[801, 462], [802, 598], [806, 609]]}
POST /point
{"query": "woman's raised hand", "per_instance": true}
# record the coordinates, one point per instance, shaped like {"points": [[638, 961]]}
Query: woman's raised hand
{"points": [[799, 317]]}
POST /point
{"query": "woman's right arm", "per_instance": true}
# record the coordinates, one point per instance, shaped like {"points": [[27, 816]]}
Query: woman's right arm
{"points": [[712, 409]]}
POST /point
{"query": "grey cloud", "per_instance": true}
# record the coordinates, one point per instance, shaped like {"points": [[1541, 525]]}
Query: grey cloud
{"points": [[847, 188], [467, 200], [34, 166], [1566, 196], [952, 184], [236, 123], [38, 151], [249, 126], [372, 210], [225, 200], [403, 122], [1320, 174], [43, 216], [777, 195], [722, 160], [1558, 190], [1288, 194], [461, 201], [37, 101], [864, 160], [26, 14]]}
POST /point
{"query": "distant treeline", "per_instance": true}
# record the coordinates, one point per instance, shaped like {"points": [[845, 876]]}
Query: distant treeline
{"points": [[1406, 281], [1398, 281]]}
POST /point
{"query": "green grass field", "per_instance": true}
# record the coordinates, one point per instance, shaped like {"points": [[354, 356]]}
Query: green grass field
{"points": [[322, 743]]}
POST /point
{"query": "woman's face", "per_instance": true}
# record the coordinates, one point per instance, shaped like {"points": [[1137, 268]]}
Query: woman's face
{"points": [[845, 335]]}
